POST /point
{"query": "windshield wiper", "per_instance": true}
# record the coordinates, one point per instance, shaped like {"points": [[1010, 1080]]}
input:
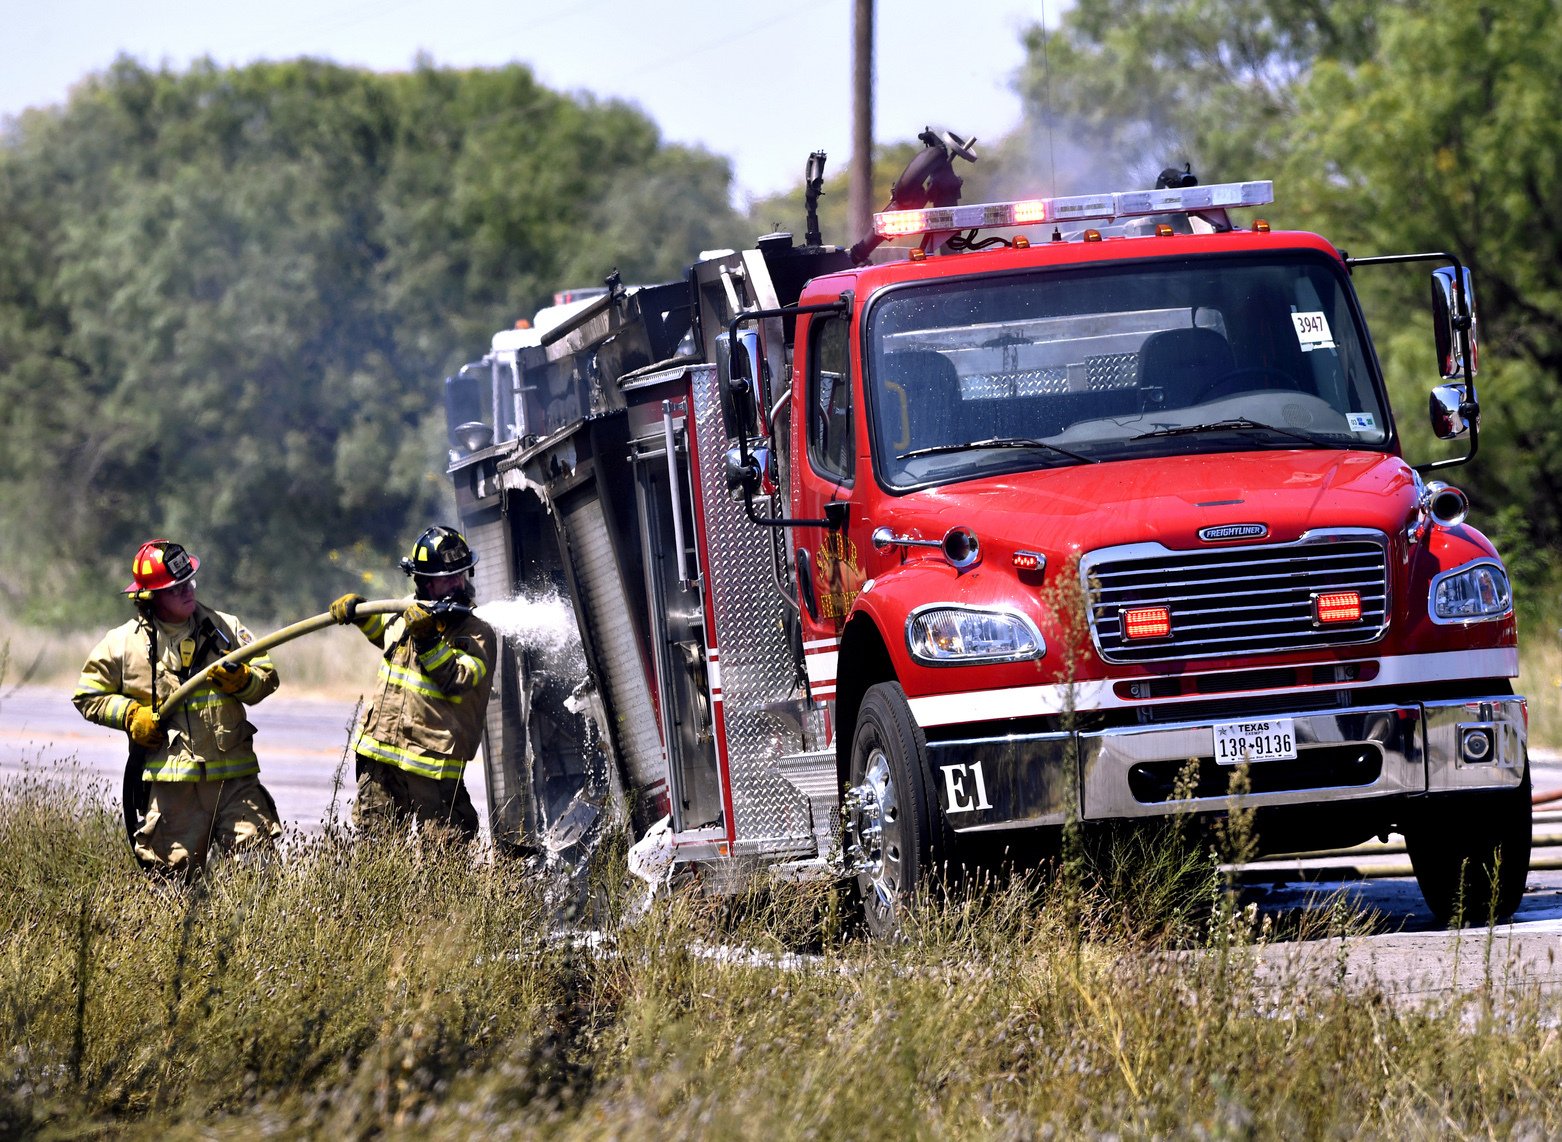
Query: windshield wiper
{"points": [[997, 442], [1240, 422]]}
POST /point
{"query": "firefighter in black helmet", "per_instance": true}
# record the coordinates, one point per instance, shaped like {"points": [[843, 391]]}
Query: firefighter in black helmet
{"points": [[426, 720]]}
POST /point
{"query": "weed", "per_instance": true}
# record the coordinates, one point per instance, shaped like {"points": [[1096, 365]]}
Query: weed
{"points": [[358, 989]]}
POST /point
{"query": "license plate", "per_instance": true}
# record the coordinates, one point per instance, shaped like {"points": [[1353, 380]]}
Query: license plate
{"points": [[1263, 739]]}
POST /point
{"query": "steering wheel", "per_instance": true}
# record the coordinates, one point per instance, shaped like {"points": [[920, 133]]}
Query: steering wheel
{"points": [[1245, 378]]}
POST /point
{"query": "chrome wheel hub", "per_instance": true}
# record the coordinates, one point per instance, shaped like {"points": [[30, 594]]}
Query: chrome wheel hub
{"points": [[873, 834]]}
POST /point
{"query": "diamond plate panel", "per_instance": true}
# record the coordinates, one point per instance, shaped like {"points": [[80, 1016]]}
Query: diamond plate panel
{"points": [[1028, 383], [1112, 371], [756, 662]]}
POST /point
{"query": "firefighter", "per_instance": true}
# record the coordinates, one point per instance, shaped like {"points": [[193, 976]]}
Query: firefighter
{"points": [[426, 721], [197, 762]]}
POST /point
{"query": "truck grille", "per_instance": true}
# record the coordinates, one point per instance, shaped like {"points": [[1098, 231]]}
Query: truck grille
{"points": [[1236, 600]]}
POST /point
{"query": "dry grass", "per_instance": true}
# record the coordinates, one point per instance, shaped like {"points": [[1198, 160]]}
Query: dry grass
{"points": [[1540, 680], [384, 989]]}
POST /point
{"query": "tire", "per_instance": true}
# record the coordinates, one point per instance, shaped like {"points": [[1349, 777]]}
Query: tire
{"points": [[1470, 854], [894, 828]]}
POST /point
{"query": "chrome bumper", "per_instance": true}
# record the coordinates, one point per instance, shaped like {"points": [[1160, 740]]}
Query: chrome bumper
{"points": [[1149, 771]]}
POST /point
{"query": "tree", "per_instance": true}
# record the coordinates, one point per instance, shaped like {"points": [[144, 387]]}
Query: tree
{"points": [[1128, 87], [1448, 139], [227, 297]]}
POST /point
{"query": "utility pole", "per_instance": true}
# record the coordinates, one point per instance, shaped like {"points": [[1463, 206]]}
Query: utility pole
{"points": [[859, 189]]}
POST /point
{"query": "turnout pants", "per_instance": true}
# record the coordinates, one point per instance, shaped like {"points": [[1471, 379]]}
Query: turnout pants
{"points": [[390, 798], [186, 820]]}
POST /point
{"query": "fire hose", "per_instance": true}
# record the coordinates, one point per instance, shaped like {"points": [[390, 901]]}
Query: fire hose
{"points": [[135, 793]]}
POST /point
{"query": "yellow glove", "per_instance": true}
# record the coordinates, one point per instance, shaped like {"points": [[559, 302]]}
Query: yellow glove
{"points": [[141, 725], [344, 609], [420, 623], [229, 677]]}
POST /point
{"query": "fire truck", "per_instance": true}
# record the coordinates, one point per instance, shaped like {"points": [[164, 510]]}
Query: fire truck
{"points": [[1011, 517]]}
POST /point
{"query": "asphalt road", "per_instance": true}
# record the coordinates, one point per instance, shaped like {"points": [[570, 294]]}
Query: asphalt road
{"points": [[302, 743]]}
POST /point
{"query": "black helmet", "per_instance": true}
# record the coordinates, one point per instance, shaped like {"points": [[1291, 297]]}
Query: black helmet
{"points": [[439, 551]]}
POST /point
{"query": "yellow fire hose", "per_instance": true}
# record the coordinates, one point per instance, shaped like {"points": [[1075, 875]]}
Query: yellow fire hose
{"points": [[277, 638], [134, 791]]}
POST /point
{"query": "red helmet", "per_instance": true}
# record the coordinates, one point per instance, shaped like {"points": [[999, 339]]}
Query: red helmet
{"points": [[161, 563]]}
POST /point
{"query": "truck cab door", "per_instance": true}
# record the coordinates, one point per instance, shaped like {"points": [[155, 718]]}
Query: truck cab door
{"points": [[825, 435]]}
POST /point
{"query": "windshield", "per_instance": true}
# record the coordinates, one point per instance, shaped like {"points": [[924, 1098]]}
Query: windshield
{"points": [[982, 376]]}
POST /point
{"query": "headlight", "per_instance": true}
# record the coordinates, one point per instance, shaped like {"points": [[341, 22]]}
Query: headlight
{"points": [[950, 635], [1471, 593]]}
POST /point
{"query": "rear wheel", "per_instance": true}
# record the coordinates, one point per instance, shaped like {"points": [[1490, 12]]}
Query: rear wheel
{"points": [[894, 830], [1470, 854]]}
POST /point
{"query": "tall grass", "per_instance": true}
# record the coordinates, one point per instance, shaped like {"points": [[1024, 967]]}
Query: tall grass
{"points": [[1540, 680], [349, 990]]}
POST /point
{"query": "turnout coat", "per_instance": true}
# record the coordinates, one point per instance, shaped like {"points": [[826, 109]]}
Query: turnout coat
{"points": [[427, 718], [209, 736]]}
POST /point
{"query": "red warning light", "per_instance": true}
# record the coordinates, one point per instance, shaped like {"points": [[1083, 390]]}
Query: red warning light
{"points": [[1337, 607], [1147, 622]]}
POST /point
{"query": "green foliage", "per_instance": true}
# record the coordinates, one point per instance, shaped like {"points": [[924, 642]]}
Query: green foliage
{"points": [[1448, 140], [227, 297], [1127, 87]]}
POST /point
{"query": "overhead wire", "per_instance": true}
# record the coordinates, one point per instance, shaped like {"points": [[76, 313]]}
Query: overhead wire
{"points": [[681, 59]]}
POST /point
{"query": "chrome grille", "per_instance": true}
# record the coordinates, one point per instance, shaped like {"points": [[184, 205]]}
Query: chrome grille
{"points": [[1236, 600]]}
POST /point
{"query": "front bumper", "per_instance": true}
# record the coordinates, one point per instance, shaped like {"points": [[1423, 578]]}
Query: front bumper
{"points": [[1019, 781]]}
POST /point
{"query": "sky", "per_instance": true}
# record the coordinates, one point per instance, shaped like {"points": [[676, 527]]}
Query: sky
{"points": [[762, 82]]}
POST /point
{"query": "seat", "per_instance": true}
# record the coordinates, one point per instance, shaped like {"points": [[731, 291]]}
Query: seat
{"points": [[922, 386], [1182, 364]]}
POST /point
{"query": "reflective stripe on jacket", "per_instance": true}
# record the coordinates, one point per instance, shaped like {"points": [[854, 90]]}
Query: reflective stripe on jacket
{"points": [[427, 718], [209, 738]]}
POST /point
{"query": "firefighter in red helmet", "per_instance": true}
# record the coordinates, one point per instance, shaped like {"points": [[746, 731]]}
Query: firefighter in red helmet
{"points": [[426, 721], [192, 770]]}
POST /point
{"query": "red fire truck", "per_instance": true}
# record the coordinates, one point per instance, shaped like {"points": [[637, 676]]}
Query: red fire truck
{"points": [[1063, 510]]}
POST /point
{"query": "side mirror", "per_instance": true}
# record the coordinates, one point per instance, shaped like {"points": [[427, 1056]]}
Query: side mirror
{"points": [[1446, 410], [1454, 321], [737, 365]]}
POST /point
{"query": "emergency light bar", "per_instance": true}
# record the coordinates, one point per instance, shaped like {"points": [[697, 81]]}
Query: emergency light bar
{"points": [[1073, 208]]}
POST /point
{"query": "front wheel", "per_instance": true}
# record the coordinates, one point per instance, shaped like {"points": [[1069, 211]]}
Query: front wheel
{"points": [[893, 826], [1470, 854]]}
